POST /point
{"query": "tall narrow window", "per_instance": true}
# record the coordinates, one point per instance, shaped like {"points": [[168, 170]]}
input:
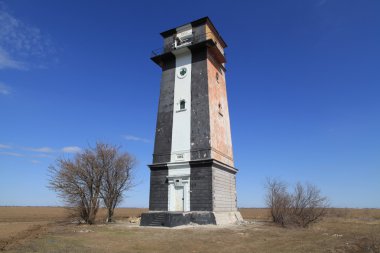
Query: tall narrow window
{"points": [[220, 109], [182, 105]]}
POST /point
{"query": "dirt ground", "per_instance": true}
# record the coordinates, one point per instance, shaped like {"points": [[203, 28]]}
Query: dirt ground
{"points": [[46, 229]]}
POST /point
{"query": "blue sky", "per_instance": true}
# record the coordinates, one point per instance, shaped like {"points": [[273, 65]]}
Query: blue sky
{"points": [[303, 83]]}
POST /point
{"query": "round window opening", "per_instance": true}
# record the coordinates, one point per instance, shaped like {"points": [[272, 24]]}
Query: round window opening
{"points": [[182, 72]]}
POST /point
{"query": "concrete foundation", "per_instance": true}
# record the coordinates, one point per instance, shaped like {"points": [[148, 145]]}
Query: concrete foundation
{"points": [[173, 219], [224, 218]]}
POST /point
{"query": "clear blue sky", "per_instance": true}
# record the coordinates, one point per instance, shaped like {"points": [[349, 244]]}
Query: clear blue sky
{"points": [[303, 83]]}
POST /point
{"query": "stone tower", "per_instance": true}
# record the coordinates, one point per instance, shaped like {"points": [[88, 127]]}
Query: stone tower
{"points": [[192, 177]]}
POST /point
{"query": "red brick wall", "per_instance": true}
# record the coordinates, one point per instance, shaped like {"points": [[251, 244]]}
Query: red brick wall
{"points": [[219, 117]]}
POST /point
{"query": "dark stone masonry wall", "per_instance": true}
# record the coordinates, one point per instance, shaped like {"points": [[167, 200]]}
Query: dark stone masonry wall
{"points": [[200, 115], [164, 125], [201, 187], [158, 197]]}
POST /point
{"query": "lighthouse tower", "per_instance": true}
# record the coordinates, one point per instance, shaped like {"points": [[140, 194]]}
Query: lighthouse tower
{"points": [[192, 177]]}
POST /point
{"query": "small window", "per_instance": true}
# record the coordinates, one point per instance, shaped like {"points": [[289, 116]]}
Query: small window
{"points": [[217, 77], [182, 105], [220, 109]]}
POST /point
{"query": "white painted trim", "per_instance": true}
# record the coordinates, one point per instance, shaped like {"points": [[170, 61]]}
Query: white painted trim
{"points": [[181, 132], [178, 171], [179, 167]]}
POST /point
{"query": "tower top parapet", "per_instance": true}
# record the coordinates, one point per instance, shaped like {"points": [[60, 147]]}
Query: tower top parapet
{"points": [[196, 34], [196, 23]]}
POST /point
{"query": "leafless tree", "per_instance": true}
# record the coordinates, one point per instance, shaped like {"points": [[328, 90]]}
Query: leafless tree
{"points": [[301, 208], [78, 183], [95, 174], [308, 206], [278, 200], [117, 176]]}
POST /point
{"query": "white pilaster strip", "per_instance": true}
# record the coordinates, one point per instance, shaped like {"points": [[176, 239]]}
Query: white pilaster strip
{"points": [[179, 168], [181, 134]]}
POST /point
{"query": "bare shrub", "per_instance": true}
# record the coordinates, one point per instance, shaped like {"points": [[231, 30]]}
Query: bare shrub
{"points": [[95, 174], [278, 200], [78, 183], [307, 206], [301, 208], [117, 176]]}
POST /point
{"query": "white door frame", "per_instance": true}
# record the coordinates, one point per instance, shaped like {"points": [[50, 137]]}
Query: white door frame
{"points": [[185, 183]]}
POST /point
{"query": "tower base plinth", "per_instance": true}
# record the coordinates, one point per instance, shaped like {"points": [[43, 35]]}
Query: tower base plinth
{"points": [[173, 219]]}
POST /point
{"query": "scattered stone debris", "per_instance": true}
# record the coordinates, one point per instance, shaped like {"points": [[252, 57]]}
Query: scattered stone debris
{"points": [[337, 235], [134, 220], [84, 231], [245, 222], [78, 221]]}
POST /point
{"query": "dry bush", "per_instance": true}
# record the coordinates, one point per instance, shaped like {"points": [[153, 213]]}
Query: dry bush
{"points": [[301, 208], [117, 176], [100, 173], [278, 200], [78, 183]]}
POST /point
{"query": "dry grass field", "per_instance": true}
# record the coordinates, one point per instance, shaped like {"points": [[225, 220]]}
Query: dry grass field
{"points": [[46, 229]]}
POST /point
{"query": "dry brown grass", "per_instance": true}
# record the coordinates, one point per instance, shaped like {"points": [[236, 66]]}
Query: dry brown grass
{"points": [[350, 213], [20, 223], [28, 214], [344, 230], [255, 213], [33, 214]]}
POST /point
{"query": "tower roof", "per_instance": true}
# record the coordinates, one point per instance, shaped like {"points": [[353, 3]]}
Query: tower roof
{"points": [[195, 23]]}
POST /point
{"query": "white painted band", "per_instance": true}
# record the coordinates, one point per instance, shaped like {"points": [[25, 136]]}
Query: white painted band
{"points": [[181, 116], [179, 168]]}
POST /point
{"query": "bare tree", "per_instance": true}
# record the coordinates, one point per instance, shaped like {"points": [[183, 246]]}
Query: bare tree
{"points": [[308, 206], [78, 183], [301, 208], [278, 200], [117, 177], [99, 173]]}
